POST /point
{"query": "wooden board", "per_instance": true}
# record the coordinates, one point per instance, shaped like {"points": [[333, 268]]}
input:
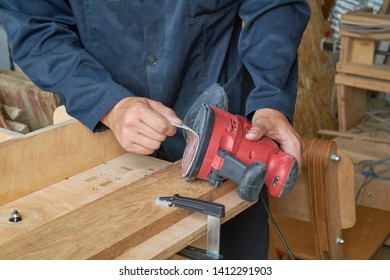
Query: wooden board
{"points": [[364, 19], [122, 219], [287, 206], [370, 232], [367, 70], [6, 135], [51, 154], [362, 241], [183, 233], [56, 200], [376, 194], [315, 80], [352, 105], [346, 187], [363, 83]]}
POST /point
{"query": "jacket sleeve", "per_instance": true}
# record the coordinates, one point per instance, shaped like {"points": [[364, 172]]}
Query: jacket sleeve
{"points": [[268, 47], [45, 45]]}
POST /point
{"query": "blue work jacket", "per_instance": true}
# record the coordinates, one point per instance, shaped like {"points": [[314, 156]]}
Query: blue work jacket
{"points": [[93, 53]]}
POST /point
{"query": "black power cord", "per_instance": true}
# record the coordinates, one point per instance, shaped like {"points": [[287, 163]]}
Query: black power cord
{"points": [[276, 228]]}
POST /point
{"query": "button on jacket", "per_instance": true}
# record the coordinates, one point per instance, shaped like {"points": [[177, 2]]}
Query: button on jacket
{"points": [[93, 53]]}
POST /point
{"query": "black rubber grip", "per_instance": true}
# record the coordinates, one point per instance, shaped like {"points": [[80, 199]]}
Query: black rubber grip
{"points": [[252, 181]]}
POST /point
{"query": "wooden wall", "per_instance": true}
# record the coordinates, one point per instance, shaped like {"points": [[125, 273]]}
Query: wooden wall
{"points": [[316, 79]]}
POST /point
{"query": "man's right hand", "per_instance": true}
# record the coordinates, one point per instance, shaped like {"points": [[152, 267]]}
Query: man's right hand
{"points": [[140, 125]]}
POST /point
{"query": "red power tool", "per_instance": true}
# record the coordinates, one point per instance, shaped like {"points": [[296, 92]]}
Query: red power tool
{"points": [[217, 149]]}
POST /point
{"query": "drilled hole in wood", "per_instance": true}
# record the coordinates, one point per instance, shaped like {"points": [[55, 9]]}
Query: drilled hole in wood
{"points": [[126, 168], [91, 179]]}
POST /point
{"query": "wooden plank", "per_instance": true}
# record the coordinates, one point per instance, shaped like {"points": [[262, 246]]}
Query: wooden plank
{"points": [[60, 115], [376, 193], [365, 18], [359, 50], [287, 206], [372, 35], [361, 149], [122, 219], [385, 7], [352, 106], [362, 19], [346, 188], [349, 135], [299, 236], [299, 195], [375, 71], [6, 134], [363, 83], [51, 154], [58, 199], [316, 79], [183, 233], [324, 199], [371, 230], [361, 241]]}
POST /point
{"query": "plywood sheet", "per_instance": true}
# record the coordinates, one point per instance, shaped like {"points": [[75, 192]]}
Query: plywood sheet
{"points": [[315, 81]]}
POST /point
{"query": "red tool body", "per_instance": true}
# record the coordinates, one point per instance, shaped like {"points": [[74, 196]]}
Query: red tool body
{"points": [[224, 152]]}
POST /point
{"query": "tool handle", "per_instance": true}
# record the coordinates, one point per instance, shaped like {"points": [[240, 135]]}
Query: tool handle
{"points": [[250, 178], [201, 206]]}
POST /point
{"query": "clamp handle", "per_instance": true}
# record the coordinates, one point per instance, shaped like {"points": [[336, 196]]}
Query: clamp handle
{"points": [[205, 207]]}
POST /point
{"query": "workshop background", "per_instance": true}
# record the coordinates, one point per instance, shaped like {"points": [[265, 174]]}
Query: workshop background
{"points": [[343, 95]]}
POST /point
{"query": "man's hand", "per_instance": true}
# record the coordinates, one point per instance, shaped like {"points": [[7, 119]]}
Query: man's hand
{"points": [[140, 124], [275, 125]]}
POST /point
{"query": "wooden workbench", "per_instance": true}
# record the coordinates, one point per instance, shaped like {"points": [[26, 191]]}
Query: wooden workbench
{"points": [[82, 197]]}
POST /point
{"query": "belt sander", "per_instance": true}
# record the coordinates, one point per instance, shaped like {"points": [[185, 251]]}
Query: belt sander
{"points": [[217, 149]]}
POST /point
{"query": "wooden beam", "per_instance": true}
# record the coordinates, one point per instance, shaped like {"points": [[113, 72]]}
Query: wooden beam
{"points": [[363, 83], [68, 195], [370, 232], [51, 154], [286, 206], [361, 241], [352, 105], [376, 71], [183, 233], [108, 227], [324, 200], [6, 135]]}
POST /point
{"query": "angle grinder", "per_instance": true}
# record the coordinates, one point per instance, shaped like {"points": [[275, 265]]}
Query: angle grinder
{"points": [[217, 149]]}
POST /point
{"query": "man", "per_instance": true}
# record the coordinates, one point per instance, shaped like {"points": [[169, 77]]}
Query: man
{"points": [[137, 66]]}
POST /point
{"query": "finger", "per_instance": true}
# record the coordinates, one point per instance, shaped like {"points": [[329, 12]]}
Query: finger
{"points": [[152, 134], [293, 145], [255, 133], [158, 124], [258, 130], [138, 143], [167, 112], [138, 149], [149, 122]]}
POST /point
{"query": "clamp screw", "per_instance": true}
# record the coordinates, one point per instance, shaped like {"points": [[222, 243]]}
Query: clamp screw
{"points": [[335, 158], [15, 217], [340, 241]]}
